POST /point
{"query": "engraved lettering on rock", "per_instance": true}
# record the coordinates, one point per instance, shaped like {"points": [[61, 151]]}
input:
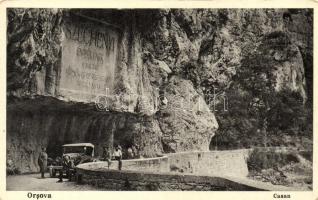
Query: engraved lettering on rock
{"points": [[88, 59]]}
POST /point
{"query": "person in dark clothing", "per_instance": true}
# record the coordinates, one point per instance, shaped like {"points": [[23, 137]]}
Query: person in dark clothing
{"points": [[118, 156], [42, 161], [67, 166]]}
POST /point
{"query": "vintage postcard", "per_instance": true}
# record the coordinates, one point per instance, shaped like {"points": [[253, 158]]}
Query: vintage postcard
{"points": [[171, 96]]}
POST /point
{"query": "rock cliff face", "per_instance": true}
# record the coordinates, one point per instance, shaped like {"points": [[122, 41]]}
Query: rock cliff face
{"points": [[167, 63]]}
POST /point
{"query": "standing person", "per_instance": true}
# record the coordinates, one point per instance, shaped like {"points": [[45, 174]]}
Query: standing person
{"points": [[130, 154], [42, 161], [134, 150], [107, 156], [118, 156]]}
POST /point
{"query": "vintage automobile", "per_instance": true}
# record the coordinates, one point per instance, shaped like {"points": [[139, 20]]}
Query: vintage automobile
{"points": [[76, 153]]}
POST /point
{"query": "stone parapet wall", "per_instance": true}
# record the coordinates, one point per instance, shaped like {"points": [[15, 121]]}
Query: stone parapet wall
{"points": [[141, 181], [159, 164], [170, 172], [226, 163]]}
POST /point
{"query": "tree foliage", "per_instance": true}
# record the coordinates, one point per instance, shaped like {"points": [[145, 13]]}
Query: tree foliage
{"points": [[258, 113]]}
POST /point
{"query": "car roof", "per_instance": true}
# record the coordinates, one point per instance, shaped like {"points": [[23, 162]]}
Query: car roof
{"points": [[79, 144]]}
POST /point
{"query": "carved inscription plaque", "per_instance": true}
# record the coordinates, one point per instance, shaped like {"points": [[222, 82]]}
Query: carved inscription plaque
{"points": [[88, 60]]}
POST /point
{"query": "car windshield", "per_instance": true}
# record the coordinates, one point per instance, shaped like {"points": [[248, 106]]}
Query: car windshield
{"points": [[74, 149]]}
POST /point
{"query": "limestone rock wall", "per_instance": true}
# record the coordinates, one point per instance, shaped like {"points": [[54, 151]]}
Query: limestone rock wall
{"points": [[168, 61]]}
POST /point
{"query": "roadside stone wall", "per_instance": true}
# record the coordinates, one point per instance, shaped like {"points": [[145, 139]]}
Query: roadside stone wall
{"points": [[159, 164], [147, 181], [212, 163], [227, 163], [210, 171]]}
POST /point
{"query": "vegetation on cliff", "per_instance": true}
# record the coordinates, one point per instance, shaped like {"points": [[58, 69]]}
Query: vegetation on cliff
{"points": [[170, 62]]}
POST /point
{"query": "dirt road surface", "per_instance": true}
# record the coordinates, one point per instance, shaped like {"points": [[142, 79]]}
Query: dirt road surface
{"points": [[33, 182]]}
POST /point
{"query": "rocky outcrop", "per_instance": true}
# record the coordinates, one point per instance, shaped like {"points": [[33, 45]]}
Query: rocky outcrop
{"points": [[167, 64], [186, 120]]}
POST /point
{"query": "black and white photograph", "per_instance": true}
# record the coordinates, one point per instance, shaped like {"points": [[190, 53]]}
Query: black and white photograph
{"points": [[159, 99]]}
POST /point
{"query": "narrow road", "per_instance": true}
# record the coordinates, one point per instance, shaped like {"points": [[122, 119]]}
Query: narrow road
{"points": [[33, 182]]}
